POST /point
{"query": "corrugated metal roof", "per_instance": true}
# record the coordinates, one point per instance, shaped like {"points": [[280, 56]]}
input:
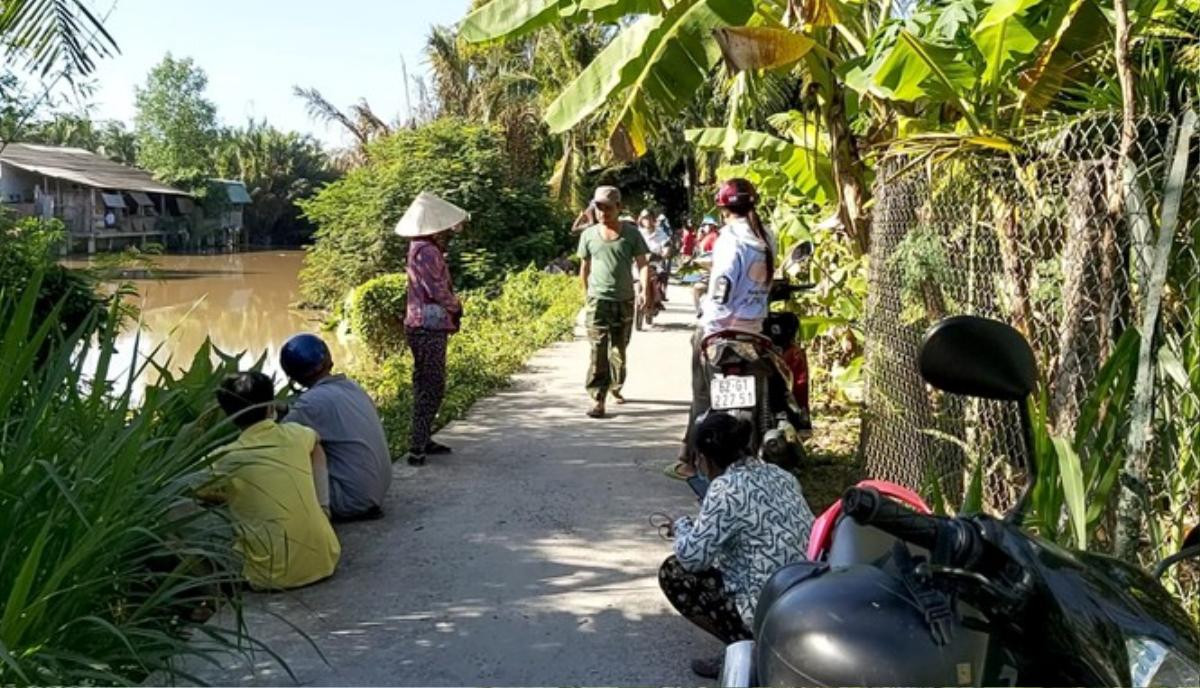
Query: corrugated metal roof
{"points": [[238, 195], [82, 167]]}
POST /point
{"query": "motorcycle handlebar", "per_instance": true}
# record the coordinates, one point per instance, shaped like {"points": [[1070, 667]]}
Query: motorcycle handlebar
{"points": [[869, 508]]}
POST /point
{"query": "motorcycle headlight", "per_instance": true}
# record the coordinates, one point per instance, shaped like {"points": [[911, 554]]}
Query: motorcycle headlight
{"points": [[1153, 664]]}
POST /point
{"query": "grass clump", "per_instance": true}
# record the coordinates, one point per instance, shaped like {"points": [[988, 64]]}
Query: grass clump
{"points": [[105, 559]]}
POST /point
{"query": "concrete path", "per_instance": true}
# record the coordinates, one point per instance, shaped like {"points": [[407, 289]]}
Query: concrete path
{"points": [[525, 558]]}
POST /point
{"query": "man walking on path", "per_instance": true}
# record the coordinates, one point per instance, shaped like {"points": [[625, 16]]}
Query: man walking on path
{"points": [[607, 252]]}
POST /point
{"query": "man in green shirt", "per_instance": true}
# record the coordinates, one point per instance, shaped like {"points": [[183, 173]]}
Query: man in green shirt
{"points": [[608, 252]]}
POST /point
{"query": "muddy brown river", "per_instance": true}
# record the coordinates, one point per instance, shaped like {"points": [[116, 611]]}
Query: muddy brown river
{"points": [[243, 302]]}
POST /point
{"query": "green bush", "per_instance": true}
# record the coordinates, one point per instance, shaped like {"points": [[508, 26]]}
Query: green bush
{"points": [[376, 313], [27, 247], [499, 333], [103, 560], [512, 223]]}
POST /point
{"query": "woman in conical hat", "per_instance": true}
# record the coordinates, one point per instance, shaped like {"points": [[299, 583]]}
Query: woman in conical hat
{"points": [[433, 314]]}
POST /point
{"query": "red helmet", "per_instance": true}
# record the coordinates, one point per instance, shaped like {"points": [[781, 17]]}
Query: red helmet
{"points": [[737, 193]]}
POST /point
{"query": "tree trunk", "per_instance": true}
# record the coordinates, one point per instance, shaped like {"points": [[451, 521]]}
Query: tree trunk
{"points": [[1084, 325], [1130, 510], [898, 410], [1017, 264], [848, 174]]}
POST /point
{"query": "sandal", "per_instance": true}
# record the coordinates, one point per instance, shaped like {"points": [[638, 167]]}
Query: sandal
{"points": [[673, 471]]}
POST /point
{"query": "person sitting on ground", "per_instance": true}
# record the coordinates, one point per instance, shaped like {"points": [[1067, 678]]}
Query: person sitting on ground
{"points": [[753, 521], [360, 465], [273, 477]]}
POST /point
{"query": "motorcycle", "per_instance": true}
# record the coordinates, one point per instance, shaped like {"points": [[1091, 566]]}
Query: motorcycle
{"points": [[762, 378], [643, 316], [898, 596]]}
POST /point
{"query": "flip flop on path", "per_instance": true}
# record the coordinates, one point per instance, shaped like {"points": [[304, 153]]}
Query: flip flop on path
{"points": [[673, 472]]}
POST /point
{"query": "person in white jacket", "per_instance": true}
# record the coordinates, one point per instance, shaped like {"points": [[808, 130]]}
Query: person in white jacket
{"points": [[659, 243], [743, 263]]}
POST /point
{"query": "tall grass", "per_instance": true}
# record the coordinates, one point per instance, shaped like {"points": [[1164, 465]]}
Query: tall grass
{"points": [[104, 558]]}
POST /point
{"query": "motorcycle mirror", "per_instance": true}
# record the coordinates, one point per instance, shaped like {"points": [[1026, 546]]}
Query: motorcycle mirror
{"points": [[1189, 550], [801, 252], [978, 357], [1192, 539], [987, 359]]}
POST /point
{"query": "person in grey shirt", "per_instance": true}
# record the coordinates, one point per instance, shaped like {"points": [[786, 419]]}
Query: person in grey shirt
{"points": [[356, 448]]}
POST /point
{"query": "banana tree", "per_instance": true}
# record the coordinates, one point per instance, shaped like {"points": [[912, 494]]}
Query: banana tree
{"points": [[666, 50]]}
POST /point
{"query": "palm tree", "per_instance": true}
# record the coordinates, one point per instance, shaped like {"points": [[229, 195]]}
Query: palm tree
{"points": [[361, 122], [61, 36], [279, 169]]}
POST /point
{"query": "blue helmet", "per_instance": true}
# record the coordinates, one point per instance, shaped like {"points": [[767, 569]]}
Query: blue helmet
{"points": [[303, 355], [709, 220]]}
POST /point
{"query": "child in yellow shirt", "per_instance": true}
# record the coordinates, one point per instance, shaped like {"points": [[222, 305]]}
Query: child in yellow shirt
{"points": [[274, 479]]}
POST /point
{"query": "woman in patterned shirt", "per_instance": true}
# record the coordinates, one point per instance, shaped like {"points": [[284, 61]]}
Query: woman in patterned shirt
{"points": [[433, 313], [753, 521]]}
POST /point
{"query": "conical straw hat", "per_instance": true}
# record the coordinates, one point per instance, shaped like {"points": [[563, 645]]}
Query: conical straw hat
{"points": [[429, 215]]}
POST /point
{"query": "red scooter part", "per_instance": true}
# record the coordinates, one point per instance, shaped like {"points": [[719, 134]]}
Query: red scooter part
{"points": [[821, 538], [797, 361]]}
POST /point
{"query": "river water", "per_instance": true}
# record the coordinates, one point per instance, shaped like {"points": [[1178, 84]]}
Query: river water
{"points": [[244, 302]]}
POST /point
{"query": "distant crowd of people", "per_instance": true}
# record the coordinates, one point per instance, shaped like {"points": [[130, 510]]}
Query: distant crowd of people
{"points": [[324, 458]]}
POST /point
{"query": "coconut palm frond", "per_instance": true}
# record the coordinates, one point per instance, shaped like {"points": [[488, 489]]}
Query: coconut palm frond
{"points": [[54, 35], [322, 110]]}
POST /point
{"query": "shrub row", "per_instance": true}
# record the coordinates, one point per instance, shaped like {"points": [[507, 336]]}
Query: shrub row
{"points": [[376, 312], [499, 333]]}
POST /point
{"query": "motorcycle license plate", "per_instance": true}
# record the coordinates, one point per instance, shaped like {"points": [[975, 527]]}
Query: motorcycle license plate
{"points": [[733, 392]]}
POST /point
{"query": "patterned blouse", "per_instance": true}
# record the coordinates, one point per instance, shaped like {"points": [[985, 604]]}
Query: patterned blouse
{"points": [[432, 304], [754, 520]]}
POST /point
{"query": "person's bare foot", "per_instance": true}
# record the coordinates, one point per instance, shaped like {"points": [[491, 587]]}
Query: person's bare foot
{"points": [[617, 396], [597, 410]]}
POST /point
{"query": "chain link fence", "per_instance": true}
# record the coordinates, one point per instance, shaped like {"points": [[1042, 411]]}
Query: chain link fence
{"points": [[1042, 239]]}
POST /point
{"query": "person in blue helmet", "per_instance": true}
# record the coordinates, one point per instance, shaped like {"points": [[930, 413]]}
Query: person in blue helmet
{"points": [[344, 417]]}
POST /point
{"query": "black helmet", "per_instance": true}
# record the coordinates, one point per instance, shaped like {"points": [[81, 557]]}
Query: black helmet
{"points": [[858, 626], [303, 355]]}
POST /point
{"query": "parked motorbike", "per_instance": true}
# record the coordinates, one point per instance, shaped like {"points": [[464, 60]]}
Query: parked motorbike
{"points": [[899, 596], [762, 378]]}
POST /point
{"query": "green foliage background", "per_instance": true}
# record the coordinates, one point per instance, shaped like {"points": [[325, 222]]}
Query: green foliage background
{"points": [[27, 249], [376, 312], [176, 124], [512, 222]]}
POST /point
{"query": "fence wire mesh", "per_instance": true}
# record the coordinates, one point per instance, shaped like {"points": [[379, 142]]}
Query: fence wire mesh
{"points": [[1044, 240]]}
